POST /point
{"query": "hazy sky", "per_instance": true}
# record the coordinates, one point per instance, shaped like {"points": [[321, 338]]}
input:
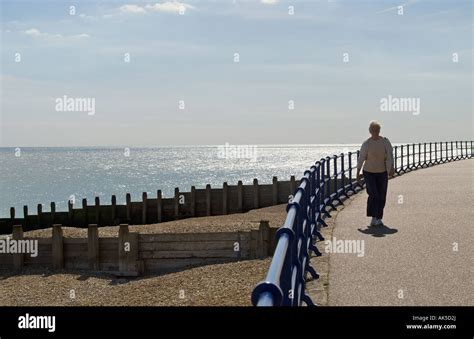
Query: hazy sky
{"points": [[191, 57]]}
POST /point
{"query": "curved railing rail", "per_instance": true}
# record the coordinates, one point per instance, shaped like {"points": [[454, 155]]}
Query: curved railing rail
{"points": [[324, 186]]}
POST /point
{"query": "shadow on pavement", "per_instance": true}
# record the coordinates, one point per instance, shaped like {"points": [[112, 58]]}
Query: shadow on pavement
{"points": [[378, 231]]}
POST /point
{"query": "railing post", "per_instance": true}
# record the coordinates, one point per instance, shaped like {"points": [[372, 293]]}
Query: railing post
{"points": [[351, 186], [424, 155], [431, 155], [395, 159], [401, 159], [452, 152], [436, 152], [323, 185], [321, 208], [419, 155], [312, 193], [441, 152], [336, 186], [343, 176], [317, 193], [328, 177], [408, 158]]}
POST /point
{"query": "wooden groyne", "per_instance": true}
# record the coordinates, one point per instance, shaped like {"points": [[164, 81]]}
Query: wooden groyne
{"points": [[208, 201], [134, 254]]}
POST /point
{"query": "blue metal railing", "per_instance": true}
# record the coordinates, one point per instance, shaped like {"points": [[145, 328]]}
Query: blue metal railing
{"points": [[322, 188]]}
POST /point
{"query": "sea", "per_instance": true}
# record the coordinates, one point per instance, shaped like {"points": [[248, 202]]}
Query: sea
{"points": [[40, 175]]}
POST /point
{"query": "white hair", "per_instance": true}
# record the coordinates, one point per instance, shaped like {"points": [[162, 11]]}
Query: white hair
{"points": [[374, 124]]}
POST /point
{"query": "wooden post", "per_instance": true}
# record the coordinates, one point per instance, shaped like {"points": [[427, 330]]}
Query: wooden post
{"points": [[53, 212], [114, 208], [292, 185], [193, 201], [18, 258], [123, 239], [255, 193], [85, 212], [128, 201], [40, 215], [144, 207], [239, 241], [159, 205], [275, 191], [254, 244], [70, 213], [93, 246], [97, 210], [128, 252], [176, 203], [240, 196], [58, 247], [25, 216], [208, 199], [225, 193], [264, 238]]}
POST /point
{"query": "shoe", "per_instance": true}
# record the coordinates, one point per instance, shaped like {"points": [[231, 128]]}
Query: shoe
{"points": [[373, 222], [379, 222]]}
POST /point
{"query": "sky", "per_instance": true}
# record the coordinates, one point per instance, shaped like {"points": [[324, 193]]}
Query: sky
{"points": [[239, 72]]}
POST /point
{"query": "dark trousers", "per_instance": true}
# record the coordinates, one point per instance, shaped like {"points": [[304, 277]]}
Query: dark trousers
{"points": [[376, 185]]}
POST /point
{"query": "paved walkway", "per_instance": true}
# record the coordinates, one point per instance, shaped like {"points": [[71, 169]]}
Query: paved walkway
{"points": [[413, 259]]}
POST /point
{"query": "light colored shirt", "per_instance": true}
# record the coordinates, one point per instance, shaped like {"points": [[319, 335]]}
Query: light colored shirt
{"points": [[376, 155]]}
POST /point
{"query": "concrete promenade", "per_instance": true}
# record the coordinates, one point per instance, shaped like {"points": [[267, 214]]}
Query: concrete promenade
{"points": [[424, 255]]}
